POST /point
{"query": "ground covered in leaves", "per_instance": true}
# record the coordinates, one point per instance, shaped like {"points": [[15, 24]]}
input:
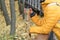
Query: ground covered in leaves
{"points": [[22, 29]]}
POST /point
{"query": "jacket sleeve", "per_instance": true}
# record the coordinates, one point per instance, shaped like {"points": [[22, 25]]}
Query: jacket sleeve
{"points": [[37, 20], [49, 20]]}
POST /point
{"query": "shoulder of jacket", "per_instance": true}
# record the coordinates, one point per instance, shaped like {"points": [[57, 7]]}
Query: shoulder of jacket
{"points": [[53, 3]]}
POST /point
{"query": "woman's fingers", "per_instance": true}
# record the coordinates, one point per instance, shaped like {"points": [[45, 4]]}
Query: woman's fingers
{"points": [[41, 37], [31, 11]]}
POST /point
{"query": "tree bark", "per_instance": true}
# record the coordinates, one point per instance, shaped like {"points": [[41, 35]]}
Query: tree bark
{"points": [[13, 17], [5, 12]]}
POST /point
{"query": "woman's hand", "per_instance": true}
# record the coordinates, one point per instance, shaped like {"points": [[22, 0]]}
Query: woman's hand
{"points": [[29, 11], [41, 37]]}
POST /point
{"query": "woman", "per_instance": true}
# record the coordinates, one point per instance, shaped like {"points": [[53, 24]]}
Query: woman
{"points": [[50, 21]]}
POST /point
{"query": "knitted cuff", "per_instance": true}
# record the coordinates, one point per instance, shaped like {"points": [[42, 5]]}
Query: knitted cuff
{"points": [[32, 14]]}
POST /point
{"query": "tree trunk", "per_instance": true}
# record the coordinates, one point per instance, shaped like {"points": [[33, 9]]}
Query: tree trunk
{"points": [[13, 17], [5, 13], [21, 4]]}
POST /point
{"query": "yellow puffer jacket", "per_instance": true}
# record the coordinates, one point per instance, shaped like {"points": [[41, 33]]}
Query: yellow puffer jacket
{"points": [[50, 1], [44, 4], [49, 22]]}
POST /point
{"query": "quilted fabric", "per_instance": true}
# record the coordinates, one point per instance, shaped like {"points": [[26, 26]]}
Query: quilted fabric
{"points": [[48, 22]]}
